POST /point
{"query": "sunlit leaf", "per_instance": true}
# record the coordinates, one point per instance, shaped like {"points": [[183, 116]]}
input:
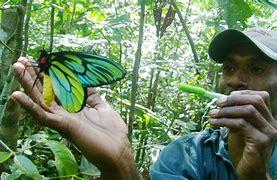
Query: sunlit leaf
{"points": [[27, 167], [4, 156], [270, 3], [64, 159], [96, 16], [87, 168], [119, 19], [234, 11]]}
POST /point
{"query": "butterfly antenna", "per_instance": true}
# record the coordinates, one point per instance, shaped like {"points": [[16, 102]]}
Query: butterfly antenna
{"points": [[35, 83], [33, 64]]}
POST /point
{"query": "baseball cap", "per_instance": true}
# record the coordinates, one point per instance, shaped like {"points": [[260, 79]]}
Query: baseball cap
{"points": [[263, 39]]}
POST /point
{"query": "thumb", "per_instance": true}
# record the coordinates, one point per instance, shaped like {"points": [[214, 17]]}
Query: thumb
{"points": [[43, 117], [94, 99]]}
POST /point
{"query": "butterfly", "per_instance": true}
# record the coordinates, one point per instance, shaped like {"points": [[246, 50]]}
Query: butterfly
{"points": [[67, 75]]}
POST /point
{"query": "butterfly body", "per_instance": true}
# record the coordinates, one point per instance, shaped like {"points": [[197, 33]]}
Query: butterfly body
{"points": [[43, 62], [72, 72]]}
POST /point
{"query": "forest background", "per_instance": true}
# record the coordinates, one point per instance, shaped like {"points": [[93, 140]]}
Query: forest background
{"points": [[161, 43]]}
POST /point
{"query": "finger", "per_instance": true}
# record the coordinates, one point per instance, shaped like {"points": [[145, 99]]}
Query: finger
{"points": [[247, 112], [33, 71], [28, 78], [27, 83], [43, 117], [252, 135], [263, 94], [94, 99], [91, 91], [257, 101]]}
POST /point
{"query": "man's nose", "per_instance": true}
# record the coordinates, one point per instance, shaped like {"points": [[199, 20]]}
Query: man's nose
{"points": [[238, 82]]}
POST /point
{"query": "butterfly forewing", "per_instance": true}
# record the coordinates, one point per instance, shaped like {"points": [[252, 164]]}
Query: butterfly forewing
{"points": [[67, 87], [91, 70]]}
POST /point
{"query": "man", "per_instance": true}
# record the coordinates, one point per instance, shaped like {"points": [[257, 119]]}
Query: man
{"points": [[246, 151], [244, 148]]}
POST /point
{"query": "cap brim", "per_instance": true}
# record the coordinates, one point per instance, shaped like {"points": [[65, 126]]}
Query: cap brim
{"points": [[222, 43]]}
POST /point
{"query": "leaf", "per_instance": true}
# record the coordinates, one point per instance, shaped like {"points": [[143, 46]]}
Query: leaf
{"points": [[270, 3], [6, 176], [119, 20], [234, 11], [27, 167], [4, 156], [64, 159], [36, 6], [96, 16], [169, 17], [88, 168]]}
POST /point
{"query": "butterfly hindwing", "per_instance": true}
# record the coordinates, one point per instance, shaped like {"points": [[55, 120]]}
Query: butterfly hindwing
{"points": [[91, 70], [67, 87]]}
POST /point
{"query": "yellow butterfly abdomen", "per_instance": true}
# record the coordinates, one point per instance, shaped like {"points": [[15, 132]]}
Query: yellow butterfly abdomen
{"points": [[48, 93]]}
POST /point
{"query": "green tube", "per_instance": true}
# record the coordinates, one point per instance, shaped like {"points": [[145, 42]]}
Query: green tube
{"points": [[199, 91]]}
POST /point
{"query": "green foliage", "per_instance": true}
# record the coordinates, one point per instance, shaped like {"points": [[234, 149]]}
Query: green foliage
{"points": [[4, 156], [234, 11], [87, 168], [64, 159], [27, 167], [110, 28], [270, 3]]}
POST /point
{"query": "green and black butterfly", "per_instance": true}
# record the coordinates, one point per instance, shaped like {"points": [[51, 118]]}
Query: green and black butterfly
{"points": [[68, 74]]}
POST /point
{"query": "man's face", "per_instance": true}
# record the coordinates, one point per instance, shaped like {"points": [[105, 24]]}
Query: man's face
{"points": [[246, 68]]}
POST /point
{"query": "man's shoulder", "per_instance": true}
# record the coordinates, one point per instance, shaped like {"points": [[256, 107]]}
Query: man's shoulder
{"points": [[198, 138], [195, 156], [194, 145]]}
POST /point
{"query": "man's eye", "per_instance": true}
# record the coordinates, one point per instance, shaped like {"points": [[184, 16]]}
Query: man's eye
{"points": [[228, 69], [256, 70]]}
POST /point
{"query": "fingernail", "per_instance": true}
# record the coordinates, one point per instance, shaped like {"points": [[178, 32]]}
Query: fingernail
{"points": [[213, 112], [213, 121], [16, 94], [222, 101]]}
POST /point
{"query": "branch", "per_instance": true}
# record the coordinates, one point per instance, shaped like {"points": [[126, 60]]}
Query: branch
{"points": [[2, 42], [52, 26], [135, 71], [26, 27], [73, 13], [187, 11], [5, 7], [191, 43], [5, 93], [2, 144]]}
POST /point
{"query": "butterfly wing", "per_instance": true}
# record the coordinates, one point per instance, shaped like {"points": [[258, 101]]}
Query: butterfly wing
{"points": [[67, 87], [91, 70]]}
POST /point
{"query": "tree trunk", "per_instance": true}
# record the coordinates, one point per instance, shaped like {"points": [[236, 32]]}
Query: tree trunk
{"points": [[191, 43], [11, 35], [26, 27], [52, 26], [135, 72]]}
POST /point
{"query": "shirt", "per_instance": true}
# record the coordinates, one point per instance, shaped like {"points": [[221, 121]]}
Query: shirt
{"points": [[198, 156]]}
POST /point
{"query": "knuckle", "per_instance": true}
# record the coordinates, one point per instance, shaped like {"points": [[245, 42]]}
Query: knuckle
{"points": [[242, 124], [263, 141], [250, 109], [258, 100], [265, 94], [273, 133]]}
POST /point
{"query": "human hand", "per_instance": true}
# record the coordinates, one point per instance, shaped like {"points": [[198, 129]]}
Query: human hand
{"points": [[253, 131], [98, 130]]}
